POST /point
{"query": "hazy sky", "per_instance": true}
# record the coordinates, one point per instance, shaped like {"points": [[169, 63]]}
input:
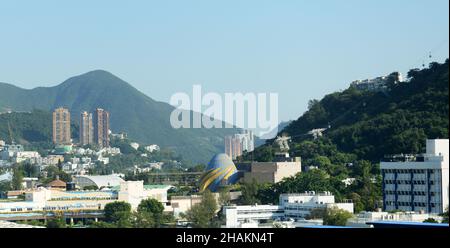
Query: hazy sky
{"points": [[300, 49]]}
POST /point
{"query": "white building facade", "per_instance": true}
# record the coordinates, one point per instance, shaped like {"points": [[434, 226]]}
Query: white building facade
{"points": [[418, 183], [295, 207]]}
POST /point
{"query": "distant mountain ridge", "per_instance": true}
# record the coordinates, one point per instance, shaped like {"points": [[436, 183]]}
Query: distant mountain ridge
{"points": [[144, 119]]}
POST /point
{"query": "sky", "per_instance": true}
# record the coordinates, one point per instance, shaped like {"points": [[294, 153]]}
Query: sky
{"points": [[299, 49]]}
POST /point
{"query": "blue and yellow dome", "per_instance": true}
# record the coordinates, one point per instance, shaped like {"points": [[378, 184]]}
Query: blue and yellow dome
{"points": [[220, 171]]}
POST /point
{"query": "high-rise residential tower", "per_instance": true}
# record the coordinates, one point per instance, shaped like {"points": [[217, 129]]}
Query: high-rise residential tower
{"points": [[86, 129], [233, 147], [247, 140], [239, 143], [61, 126], [101, 127]]}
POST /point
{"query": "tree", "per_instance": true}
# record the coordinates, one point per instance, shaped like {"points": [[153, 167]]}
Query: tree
{"points": [[430, 220], [90, 187], [368, 190], [152, 206], [60, 167], [312, 180], [250, 193], [56, 223], [102, 224], [143, 219], [63, 176], [5, 186], [317, 213], [224, 196], [445, 216], [17, 178], [336, 217], [118, 212], [30, 170], [357, 203], [201, 215], [197, 168]]}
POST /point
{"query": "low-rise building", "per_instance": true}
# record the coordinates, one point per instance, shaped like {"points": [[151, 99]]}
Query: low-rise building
{"points": [[134, 192], [181, 204], [50, 199], [9, 151], [29, 156], [270, 172], [298, 206], [29, 182], [294, 207], [377, 84], [51, 160], [239, 216]]}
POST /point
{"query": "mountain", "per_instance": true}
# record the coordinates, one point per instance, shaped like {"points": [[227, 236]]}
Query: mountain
{"points": [[142, 118], [368, 125]]}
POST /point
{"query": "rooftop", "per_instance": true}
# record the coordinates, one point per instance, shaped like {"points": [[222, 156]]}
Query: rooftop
{"points": [[57, 183]]}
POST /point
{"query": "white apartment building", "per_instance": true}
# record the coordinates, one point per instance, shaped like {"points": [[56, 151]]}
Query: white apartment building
{"points": [[291, 206], [30, 156], [376, 84], [239, 216], [418, 182], [41, 199], [272, 172]]}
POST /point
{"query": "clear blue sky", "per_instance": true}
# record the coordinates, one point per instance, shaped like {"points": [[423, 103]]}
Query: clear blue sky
{"points": [[300, 49]]}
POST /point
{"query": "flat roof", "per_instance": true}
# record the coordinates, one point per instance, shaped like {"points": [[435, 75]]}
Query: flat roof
{"points": [[325, 226], [156, 186]]}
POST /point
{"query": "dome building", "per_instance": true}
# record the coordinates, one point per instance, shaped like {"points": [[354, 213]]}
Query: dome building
{"points": [[220, 171]]}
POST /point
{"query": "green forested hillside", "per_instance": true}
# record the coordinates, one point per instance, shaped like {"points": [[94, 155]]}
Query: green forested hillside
{"points": [[32, 129], [363, 127], [26, 127]]}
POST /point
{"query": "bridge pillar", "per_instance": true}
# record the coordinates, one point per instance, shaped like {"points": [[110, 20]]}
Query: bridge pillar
{"points": [[96, 219]]}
